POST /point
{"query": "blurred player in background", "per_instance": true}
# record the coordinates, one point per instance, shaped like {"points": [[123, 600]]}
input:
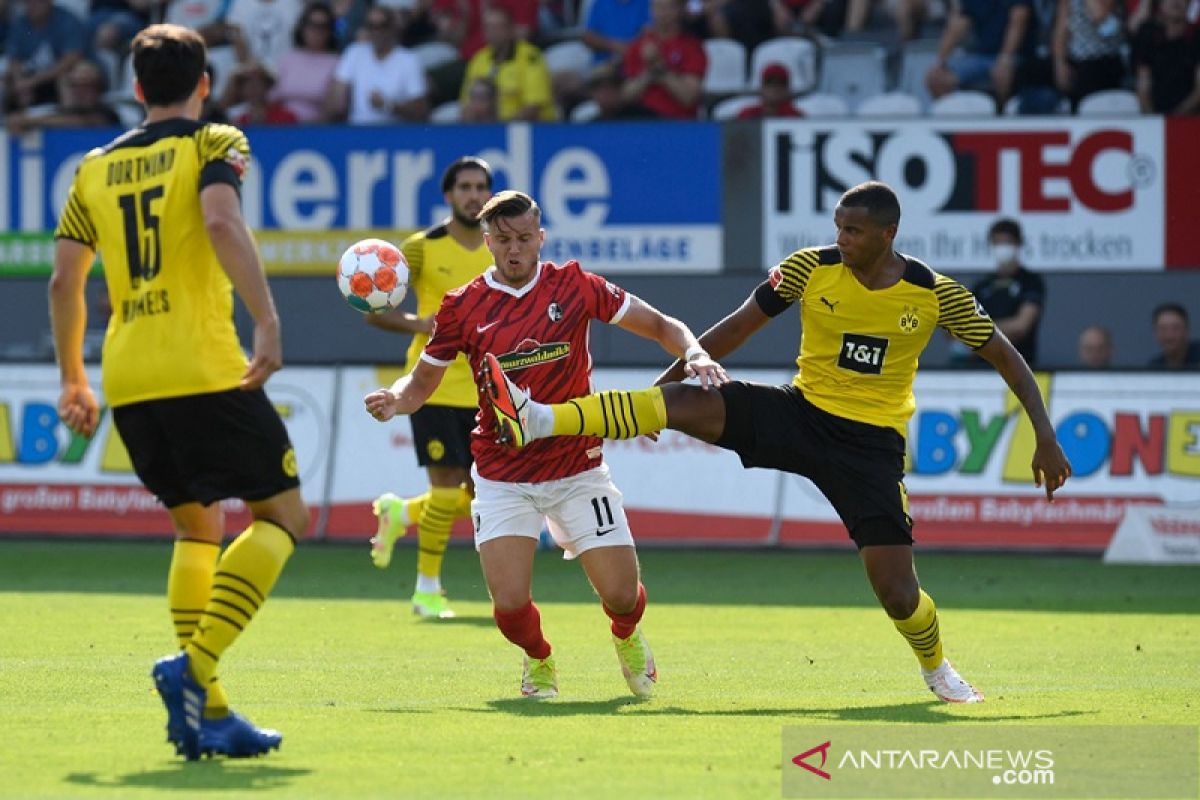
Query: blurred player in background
{"points": [[162, 204], [867, 312], [536, 314], [441, 258]]}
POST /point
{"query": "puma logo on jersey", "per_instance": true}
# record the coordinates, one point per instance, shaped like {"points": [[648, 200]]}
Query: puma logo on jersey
{"points": [[832, 306]]}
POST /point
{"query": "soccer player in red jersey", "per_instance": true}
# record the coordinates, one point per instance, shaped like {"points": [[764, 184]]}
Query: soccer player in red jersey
{"points": [[534, 316]]}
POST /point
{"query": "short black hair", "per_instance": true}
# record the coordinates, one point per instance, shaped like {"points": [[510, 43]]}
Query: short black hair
{"points": [[877, 198], [1169, 308], [450, 176], [298, 31], [508, 203], [1006, 227], [168, 61]]}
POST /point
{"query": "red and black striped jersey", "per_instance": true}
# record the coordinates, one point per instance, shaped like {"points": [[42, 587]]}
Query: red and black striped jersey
{"points": [[539, 333]]}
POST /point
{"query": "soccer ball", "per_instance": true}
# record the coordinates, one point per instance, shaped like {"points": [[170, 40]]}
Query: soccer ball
{"points": [[373, 276]]}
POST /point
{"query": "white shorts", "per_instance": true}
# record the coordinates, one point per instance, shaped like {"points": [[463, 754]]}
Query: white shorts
{"points": [[581, 512]]}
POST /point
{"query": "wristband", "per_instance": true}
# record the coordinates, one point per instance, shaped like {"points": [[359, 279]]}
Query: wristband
{"points": [[694, 352]]}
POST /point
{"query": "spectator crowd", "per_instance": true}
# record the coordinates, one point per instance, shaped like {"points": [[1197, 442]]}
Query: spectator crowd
{"points": [[280, 62]]}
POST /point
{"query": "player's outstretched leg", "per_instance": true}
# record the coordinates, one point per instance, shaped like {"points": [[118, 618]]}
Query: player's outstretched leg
{"points": [[509, 403], [608, 415]]}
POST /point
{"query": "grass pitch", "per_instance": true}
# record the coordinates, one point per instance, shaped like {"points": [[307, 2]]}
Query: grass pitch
{"points": [[375, 703]]}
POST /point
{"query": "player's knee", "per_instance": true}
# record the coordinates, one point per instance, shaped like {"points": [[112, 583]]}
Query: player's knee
{"points": [[899, 599], [505, 601], [620, 600], [695, 411]]}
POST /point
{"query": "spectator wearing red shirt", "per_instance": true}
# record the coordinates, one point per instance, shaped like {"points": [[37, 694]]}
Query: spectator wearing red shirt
{"points": [[775, 96], [664, 66]]}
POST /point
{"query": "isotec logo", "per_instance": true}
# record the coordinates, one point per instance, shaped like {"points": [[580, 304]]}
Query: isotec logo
{"points": [[947, 171]]}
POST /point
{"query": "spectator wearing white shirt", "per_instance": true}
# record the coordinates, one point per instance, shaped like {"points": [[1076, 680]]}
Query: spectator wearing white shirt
{"points": [[377, 81]]}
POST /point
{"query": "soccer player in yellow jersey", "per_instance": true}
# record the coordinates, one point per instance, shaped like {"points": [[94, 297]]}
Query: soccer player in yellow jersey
{"points": [[866, 312], [444, 257], [162, 204]]}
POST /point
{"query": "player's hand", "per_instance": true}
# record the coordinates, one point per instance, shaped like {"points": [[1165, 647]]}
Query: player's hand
{"points": [[708, 371], [267, 358], [381, 404], [78, 409], [1050, 467]]}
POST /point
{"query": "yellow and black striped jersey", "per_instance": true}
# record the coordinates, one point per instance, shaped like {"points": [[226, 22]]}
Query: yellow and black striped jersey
{"points": [[859, 347], [137, 202], [437, 263]]}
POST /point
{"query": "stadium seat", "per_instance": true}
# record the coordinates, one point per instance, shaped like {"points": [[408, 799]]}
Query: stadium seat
{"points": [[1012, 107], [915, 60], [571, 56], [726, 72], [964, 103], [890, 104], [730, 106], [585, 111], [446, 113], [1110, 103], [223, 61], [434, 54], [798, 55], [819, 104], [853, 71]]}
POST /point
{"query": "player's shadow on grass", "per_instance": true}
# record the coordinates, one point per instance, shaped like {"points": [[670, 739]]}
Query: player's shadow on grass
{"points": [[207, 775], [472, 621], [923, 712]]}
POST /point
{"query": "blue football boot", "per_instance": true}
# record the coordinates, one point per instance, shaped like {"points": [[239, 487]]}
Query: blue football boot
{"points": [[184, 700], [236, 737]]}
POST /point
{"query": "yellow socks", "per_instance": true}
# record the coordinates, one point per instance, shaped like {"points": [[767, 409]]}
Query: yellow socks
{"points": [[921, 631], [611, 415], [433, 528], [244, 577], [414, 507], [189, 583]]}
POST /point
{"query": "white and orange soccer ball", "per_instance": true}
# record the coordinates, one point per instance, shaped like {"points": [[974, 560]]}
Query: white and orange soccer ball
{"points": [[373, 276]]}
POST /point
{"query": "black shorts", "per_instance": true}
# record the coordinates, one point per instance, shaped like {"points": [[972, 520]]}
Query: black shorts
{"points": [[207, 447], [858, 467], [442, 436]]}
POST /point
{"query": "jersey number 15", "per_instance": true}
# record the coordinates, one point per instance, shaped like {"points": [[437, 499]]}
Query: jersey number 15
{"points": [[143, 248]]}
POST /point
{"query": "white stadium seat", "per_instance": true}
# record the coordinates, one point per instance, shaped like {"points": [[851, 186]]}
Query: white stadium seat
{"points": [[798, 56], [964, 103], [731, 106], [1110, 103], [823, 105], [726, 71], [890, 104], [853, 71]]}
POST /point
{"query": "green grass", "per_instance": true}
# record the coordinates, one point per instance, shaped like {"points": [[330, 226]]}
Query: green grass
{"points": [[374, 703]]}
